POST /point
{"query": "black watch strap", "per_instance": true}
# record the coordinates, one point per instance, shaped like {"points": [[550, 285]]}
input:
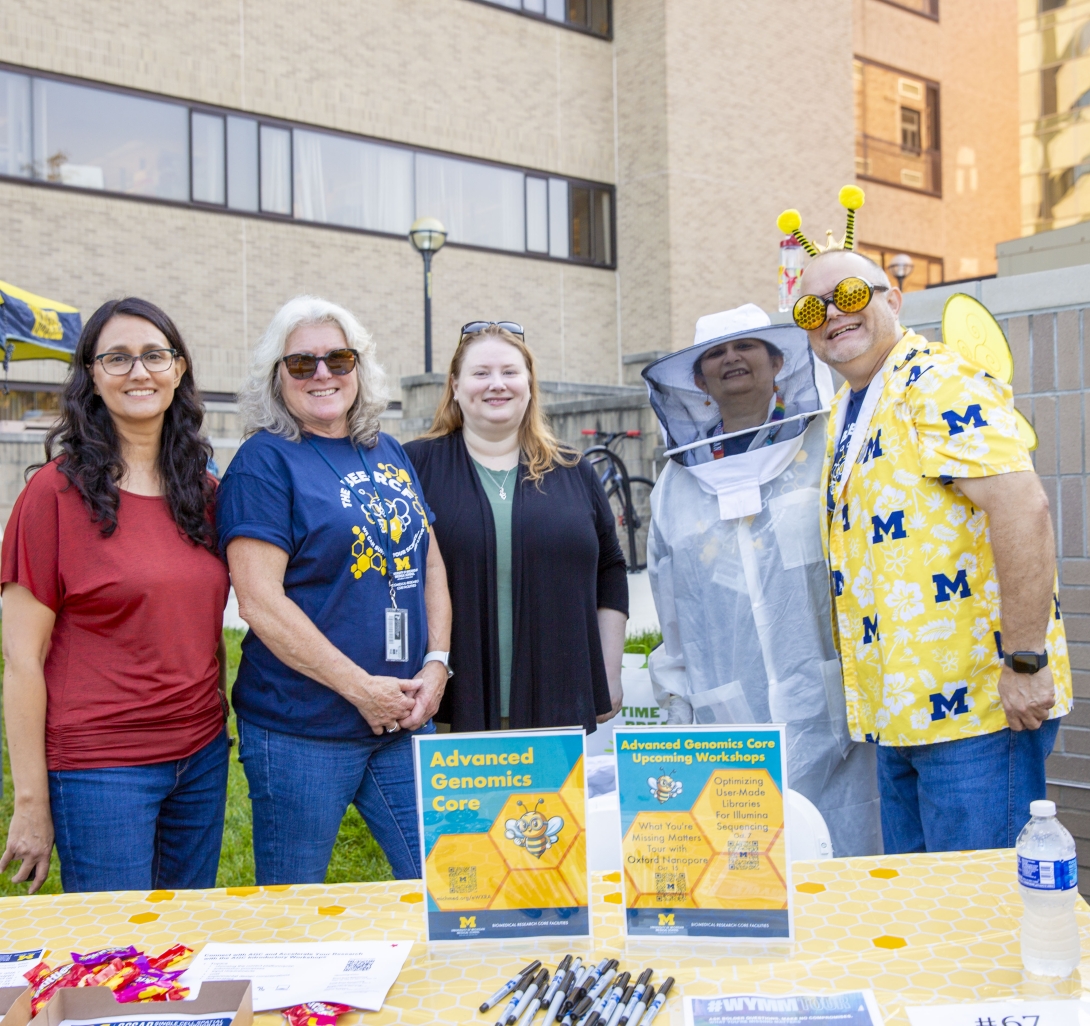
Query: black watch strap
{"points": [[1026, 662]]}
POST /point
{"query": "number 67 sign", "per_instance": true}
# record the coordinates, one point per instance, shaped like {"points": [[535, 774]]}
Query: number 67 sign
{"points": [[1003, 1013]]}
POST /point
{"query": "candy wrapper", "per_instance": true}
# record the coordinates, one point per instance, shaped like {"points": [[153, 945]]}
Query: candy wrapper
{"points": [[315, 1013], [129, 973]]}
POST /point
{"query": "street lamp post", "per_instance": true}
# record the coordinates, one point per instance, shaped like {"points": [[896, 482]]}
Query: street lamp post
{"points": [[902, 266], [428, 237]]}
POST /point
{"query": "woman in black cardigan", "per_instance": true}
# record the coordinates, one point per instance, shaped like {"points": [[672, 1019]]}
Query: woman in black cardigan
{"points": [[537, 577]]}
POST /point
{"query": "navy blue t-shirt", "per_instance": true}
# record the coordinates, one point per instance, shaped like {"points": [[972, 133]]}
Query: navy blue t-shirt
{"points": [[285, 493], [855, 404]]}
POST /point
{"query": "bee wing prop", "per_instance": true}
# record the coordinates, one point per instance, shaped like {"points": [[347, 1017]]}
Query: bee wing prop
{"points": [[969, 328]]}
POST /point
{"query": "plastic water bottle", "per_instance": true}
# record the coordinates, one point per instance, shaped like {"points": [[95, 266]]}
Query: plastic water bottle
{"points": [[790, 271], [1047, 877]]}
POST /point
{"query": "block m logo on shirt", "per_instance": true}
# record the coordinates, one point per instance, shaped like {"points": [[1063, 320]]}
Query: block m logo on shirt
{"points": [[957, 422], [945, 588], [893, 525], [955, 704], [873, 448], [870, 629]]}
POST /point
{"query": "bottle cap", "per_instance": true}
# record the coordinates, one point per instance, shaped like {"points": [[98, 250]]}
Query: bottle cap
{"points": [[1042, 807]]}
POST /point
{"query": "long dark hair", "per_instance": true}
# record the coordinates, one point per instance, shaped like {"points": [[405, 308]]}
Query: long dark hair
{"points": [[89, 449]]}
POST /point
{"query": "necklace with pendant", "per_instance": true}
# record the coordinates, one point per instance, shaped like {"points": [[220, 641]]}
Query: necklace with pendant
{"points": [[502, 486]]}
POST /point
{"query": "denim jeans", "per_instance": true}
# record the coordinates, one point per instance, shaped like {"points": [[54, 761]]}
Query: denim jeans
{"points": [[301, 787], [140, 828], [965, 794]]}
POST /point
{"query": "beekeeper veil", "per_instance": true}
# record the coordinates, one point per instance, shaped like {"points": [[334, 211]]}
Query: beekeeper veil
{"points": [[735, 558]]}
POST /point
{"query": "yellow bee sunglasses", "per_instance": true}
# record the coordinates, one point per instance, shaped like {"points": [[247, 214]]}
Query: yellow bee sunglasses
{"points": [[850, 296]]}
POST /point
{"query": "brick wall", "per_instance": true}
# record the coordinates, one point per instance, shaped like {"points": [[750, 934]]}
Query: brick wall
{"points": [[1049, 388]]}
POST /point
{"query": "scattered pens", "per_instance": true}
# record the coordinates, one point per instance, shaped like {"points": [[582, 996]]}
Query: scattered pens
{"points": [[656, 1005], [509, 986]]}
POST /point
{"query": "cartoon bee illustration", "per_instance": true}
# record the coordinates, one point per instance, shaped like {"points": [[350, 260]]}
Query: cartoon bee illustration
{"points": [[533, 831], [664, 787]]}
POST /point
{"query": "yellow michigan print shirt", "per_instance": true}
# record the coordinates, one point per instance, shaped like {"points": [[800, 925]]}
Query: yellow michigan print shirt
{"points": [[914, 584]]}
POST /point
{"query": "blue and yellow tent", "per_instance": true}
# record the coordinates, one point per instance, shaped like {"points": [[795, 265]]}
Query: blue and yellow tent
{"points": [[35, 328]]}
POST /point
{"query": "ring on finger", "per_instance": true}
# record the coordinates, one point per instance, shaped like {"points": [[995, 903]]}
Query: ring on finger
{"points": [[393, 729]]}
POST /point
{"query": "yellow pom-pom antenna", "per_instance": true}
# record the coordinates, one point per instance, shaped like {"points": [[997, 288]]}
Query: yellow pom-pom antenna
{"points": [[790, 223], [851, 197]]}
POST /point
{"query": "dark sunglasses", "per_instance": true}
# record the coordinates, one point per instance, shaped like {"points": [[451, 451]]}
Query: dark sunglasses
{"points": [[850, 296], [512, 326], [305, 365]]}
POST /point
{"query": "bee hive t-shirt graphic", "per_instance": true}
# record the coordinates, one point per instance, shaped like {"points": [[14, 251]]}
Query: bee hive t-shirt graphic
{"points": [[503, 829], [703, 843]]}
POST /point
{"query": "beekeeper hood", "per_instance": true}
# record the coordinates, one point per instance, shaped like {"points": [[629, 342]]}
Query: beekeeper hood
{"points": [[737, 570], [692, 420]]}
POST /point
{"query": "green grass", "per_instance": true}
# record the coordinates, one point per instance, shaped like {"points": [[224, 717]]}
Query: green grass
{"points": [[356, 855]]}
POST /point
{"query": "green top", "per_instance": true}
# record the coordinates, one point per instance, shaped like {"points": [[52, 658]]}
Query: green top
{"points": [[493, 481]]}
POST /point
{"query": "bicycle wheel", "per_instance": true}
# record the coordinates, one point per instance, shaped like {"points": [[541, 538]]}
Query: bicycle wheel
{"points": [[639, 489], [613, 474]]}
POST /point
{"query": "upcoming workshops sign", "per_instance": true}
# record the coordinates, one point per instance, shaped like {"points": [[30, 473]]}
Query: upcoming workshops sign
{"points": [[503, 832], [702, 824]]}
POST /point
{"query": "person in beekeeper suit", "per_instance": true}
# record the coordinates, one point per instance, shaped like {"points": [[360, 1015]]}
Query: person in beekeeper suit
{"points": [[735, 558]]}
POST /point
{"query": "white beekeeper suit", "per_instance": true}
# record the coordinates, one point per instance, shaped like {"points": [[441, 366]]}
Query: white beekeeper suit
{"points": [[740, 581]]}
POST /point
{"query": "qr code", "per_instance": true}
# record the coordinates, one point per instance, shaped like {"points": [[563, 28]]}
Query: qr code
{"points": [[359, 965], [462, 879], [670, 883], [743, 855]]}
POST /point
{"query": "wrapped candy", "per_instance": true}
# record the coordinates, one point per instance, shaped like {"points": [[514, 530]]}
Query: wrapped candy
{"points": [[150, 986], [315, 1013], [93, 959], [67, 975], [172, 956]]}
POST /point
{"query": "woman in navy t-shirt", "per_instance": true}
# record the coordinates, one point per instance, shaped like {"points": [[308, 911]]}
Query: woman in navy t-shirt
{"points": [[338, 575]]}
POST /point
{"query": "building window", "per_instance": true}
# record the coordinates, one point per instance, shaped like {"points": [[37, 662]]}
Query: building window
{"points": [[89, 137], [591, 16], [928, 8], [926, 270], [897, 139]]}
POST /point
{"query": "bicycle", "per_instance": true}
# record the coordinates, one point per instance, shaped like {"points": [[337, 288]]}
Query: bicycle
{"points": [[629, 495]]}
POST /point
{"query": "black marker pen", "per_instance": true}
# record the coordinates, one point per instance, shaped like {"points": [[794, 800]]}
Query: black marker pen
{"points": [[523, 983], [637, 996], [529, 994], [509, 986], [578, 1011], [642, 1004], [656, 1005]]}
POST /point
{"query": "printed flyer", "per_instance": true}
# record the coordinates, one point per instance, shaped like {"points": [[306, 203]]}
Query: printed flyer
{"points": [[503, 834], [857, 1008], [702, 826]]}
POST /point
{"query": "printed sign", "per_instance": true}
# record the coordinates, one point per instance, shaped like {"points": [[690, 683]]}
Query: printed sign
{"points": [[852, 1009], [1003, 1013], [702, 826], [15, 964], [503, 834]]}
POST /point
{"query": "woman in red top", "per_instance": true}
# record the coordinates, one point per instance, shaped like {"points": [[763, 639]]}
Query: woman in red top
{"points": [[114, 663]]}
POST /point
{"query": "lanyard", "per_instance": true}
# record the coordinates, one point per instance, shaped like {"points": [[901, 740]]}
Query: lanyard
{"points": [[375, 503]]}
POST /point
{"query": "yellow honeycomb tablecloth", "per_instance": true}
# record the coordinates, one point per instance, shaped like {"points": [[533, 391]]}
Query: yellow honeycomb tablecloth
{"points": [[917, 929]]}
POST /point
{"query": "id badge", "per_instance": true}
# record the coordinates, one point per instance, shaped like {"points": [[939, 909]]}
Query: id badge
{"points": [[397, 635]]}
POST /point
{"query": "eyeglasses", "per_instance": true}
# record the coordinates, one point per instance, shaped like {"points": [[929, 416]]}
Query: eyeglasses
{"points": [[154, 361], [305, 365], [850, 296], [512, 326]]}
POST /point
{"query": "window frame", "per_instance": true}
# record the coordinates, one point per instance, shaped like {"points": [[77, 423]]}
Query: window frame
{"points": [[195, 106], [932, 16], [931, 89], [572, 26]]}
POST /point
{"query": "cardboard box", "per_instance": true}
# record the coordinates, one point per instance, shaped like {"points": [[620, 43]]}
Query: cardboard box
{"points": [[8, 997], [98, 1003]]}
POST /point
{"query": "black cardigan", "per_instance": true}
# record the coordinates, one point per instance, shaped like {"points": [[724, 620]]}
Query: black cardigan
{"points": [[566, 563]]}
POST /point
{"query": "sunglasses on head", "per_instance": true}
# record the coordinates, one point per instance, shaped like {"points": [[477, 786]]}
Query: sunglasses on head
{"points": [[305, 365], [850, 296], [475, 326]]}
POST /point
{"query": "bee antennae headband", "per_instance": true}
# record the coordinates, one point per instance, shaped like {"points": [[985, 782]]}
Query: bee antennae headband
{"points": [[790, 223]]}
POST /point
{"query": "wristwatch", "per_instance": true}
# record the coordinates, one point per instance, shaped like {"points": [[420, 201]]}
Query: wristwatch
{"points": [[1026, 662], [440, 657]]}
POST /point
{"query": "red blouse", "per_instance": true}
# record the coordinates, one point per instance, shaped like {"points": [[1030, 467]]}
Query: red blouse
{"points": [[131, 673]]}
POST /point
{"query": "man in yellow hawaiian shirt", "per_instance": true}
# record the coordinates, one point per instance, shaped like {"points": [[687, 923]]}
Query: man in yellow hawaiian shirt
{"points": [[933, 515]]}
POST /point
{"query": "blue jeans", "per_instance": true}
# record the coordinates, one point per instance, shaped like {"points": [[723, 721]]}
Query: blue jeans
{"points": [[140, 828], [301, 787], [965, 794]]}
